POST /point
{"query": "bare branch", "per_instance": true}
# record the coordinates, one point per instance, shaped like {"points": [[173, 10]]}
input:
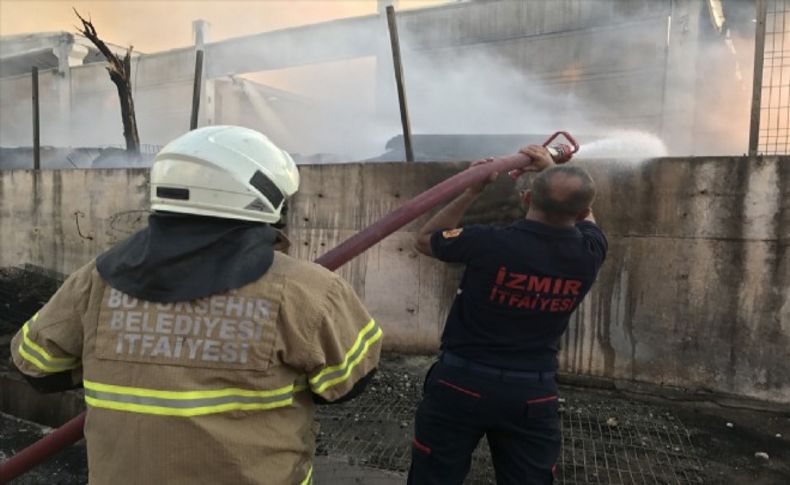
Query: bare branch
{"points": [[89, 31], [120, 74]]}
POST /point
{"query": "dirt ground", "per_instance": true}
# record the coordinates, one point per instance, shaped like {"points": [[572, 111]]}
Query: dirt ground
{"points": [[22, 293], [609, 437]]}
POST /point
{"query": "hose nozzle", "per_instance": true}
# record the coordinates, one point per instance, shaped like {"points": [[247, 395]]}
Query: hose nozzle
{"points": [[560, 153]]}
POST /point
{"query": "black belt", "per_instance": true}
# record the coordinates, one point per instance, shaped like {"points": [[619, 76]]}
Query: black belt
{"points": [[456, 361]]}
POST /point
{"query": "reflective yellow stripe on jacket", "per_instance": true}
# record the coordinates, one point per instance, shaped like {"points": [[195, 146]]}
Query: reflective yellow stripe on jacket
{"points": [[36, 355], [341, 372], [309, 478], [185, 403]]}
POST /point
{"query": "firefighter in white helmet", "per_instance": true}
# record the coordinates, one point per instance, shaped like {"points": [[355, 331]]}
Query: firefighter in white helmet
{"points": [[201, 349]]}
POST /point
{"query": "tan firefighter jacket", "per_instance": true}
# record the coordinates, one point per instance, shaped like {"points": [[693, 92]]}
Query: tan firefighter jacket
{"points": [[211, 391]]}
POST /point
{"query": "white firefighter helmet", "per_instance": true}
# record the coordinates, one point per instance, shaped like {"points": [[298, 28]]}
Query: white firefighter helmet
{"points": [[223, 171]]}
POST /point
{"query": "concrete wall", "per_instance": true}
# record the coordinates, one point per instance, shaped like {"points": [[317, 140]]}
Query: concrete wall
{"points": [[603, 60], [16, 118], [695, 291], [80, 107]]}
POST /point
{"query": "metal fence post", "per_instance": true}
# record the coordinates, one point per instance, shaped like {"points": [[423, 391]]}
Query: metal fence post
{"points": [[757, 83], [196, 87], [36, 123], [404, 107]]}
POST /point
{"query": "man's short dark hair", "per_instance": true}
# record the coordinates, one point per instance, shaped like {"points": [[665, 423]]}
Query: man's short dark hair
{"points": [[553, 200]]}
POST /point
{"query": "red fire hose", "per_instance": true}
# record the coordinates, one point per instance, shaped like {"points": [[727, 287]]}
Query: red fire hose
{"points": [[414, 208], [72, 431], [22, 462]]}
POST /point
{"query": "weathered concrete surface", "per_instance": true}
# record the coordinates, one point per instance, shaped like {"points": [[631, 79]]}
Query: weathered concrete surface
{"points": [[64, 218], [695, 292]]}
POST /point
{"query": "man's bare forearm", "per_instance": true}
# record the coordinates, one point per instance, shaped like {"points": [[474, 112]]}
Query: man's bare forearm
{"points": [[448, 217]]}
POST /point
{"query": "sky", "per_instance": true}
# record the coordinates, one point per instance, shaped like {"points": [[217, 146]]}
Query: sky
{"points": [[153, 25]]}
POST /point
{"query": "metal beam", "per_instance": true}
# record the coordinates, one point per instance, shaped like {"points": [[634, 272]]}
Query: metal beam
{"points": [[352, 38], [309, 44]]}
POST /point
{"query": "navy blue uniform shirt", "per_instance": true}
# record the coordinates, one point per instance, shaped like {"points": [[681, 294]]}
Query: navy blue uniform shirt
{"points": [[519, 288]]}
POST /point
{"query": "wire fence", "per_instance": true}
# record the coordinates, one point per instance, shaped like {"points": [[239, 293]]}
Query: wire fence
{"points": [[605, 440], [145, 148], [774, 133]]}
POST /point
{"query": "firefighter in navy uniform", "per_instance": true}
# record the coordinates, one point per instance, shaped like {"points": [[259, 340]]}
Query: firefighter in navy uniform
{"points": [[202, 350], [496, 372]]}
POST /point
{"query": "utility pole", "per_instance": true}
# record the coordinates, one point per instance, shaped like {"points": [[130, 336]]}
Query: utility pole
{"points": [[396, 58]]}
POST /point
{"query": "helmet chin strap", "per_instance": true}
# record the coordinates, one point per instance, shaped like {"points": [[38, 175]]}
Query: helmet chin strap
{"points": [[282, 223]]}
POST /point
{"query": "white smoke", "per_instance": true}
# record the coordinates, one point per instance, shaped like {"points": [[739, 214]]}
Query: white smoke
{"points": [[632, 145], [565, 78], [485, 89]]}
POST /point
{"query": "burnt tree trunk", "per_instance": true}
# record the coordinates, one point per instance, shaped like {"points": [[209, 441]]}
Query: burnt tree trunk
{"points": [[121, 75]]}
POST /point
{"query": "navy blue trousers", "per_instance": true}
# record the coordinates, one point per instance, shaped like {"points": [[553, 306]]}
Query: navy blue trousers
{"points": [[519, 418]]}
